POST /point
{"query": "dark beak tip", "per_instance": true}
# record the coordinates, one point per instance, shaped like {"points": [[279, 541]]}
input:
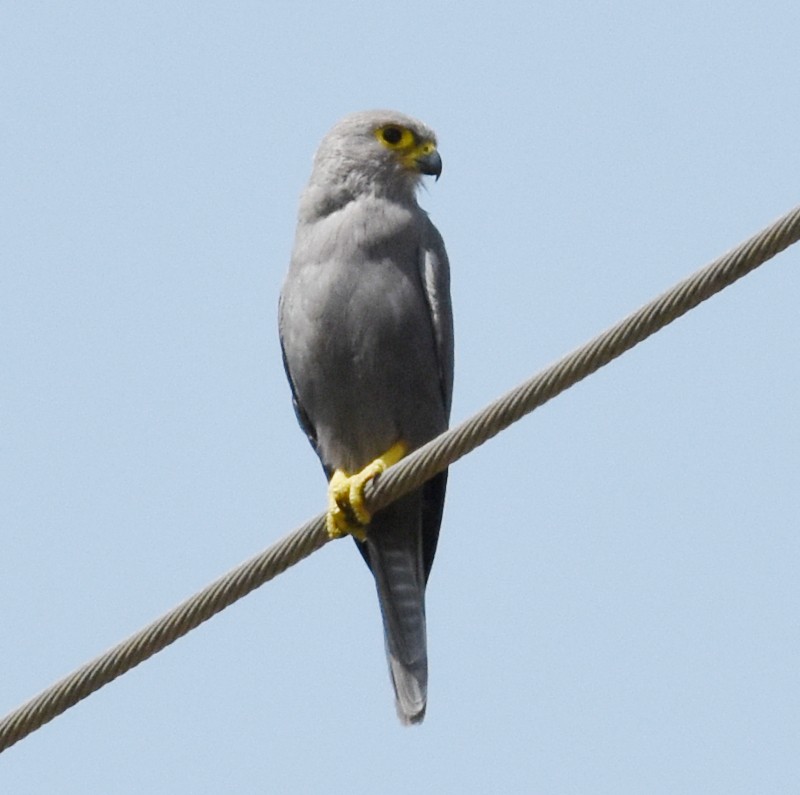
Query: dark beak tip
{"points": [[431, 165]]}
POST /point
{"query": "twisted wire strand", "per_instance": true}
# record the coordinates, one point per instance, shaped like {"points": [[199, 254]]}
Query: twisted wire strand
{"points": [[436, 455], [120, 659], [405, 476]]}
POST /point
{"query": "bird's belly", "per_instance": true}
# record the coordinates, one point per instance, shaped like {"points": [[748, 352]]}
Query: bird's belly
{"points": [[371, 374]]}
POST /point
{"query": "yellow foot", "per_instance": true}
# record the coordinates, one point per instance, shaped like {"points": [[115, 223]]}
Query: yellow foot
{"points": [[346, 510]]}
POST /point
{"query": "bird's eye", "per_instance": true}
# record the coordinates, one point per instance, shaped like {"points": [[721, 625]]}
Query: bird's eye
{"points": [[392, 135]]}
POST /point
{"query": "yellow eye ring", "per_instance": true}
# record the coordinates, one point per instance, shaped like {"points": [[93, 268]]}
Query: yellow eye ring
{"points": [[393, 136]]}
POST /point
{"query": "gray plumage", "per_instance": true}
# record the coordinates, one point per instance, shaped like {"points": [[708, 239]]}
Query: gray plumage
{"points": [[367, 337]]}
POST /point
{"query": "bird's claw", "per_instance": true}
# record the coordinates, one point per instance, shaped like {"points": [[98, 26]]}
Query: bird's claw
{"points": [[347, 513]]}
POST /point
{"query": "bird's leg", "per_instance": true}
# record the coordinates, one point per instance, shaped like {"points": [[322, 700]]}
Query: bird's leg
{"points": [[346, 510]]}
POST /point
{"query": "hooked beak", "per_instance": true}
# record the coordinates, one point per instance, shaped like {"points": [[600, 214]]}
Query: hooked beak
{"points": [[430, 164]]}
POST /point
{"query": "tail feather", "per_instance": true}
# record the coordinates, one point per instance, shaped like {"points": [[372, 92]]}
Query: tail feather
{"points": [[410, 689], [394, 545]]}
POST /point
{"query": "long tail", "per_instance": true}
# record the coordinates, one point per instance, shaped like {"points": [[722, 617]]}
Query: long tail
{"points": [[394, 546]]}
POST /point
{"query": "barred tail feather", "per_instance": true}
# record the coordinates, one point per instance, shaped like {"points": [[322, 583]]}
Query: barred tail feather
{"points": [[394, 545]]}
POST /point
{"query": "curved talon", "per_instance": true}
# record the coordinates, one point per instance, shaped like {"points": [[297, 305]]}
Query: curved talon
{"points": [[346, 510]]}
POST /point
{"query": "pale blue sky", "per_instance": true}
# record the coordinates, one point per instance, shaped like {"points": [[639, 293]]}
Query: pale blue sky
{"points": [[614, 606]]}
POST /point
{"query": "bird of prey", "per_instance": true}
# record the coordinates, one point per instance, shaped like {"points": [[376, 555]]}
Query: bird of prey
{"points": [[366, 331]]}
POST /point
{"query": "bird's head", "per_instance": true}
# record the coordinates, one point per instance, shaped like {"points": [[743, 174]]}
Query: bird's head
{"points": [[376, 152]]}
